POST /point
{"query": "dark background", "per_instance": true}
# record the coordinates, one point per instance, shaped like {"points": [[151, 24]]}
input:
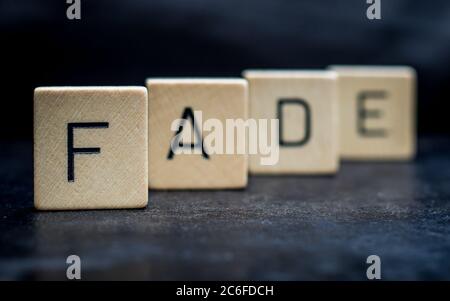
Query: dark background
{"points": [[278, 228], [123, 42]]}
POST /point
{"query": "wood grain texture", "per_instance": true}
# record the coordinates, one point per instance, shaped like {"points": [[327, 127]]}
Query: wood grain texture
{"points": [[114, 178], [377, 111], [319, 153], [215, 98]]}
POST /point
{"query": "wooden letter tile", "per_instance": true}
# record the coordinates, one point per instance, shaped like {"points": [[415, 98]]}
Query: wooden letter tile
{"points": [[90, 148], [377, 112], [195, 101], [305, 104]]}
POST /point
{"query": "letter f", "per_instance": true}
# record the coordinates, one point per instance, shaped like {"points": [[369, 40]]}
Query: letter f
{"points": [[71, 151]]}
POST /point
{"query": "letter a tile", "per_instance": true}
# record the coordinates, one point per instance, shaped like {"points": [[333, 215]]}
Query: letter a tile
{"points": [[188, 133], [90, 148]]}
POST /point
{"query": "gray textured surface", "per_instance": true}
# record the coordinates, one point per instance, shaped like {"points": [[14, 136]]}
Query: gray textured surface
{"points": [[279, 228]]}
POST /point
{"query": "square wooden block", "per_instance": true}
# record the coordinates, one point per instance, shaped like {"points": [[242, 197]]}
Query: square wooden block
{"points": [[90, 148], [305, 104], [195, 101], [377, 108]]}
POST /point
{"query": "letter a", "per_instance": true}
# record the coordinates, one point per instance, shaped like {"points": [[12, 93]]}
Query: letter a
{"points": [[74, 10], [74, 270], [374, 10], [374, 270], [176, 143]]}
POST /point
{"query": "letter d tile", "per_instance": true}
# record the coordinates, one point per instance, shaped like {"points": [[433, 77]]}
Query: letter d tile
{"points": [[305, 104]]}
